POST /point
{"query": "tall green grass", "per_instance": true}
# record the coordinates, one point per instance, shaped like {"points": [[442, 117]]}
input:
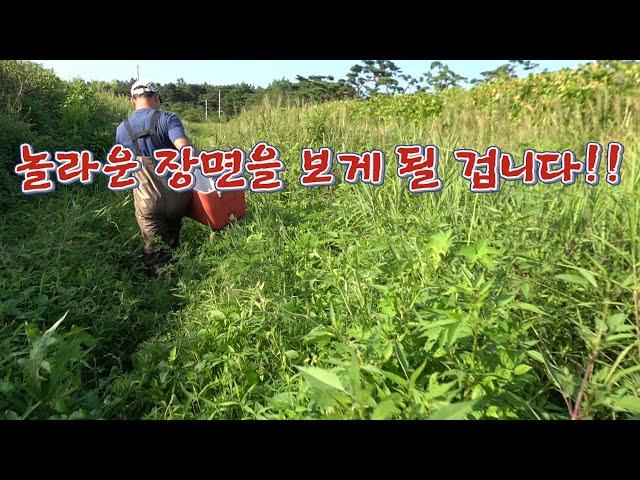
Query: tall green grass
{"points": [[348, 301], [361, 302]]}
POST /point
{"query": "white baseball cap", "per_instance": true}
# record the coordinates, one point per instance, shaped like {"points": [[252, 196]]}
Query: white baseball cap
{"points": [[143, 86]]}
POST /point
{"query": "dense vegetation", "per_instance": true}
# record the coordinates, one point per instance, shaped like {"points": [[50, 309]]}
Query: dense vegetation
{"points": [[188, 100], [368, 79], [338, 302]]}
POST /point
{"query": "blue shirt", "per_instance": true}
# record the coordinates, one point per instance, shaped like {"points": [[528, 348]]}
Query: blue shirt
{"points": [[170, 128]]}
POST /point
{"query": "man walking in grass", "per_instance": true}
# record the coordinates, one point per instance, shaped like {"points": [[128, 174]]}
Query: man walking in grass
{"points": [[158, 208]]}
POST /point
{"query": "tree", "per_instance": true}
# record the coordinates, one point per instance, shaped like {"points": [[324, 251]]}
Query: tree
{"points": [[321, 88], [384, 75], [356, 79], [526, 65], [410, 82], [371, 76], [508, 70], [440, 77]]}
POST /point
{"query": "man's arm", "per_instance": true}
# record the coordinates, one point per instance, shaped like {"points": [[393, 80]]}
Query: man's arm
{"points": [[183, 142], [202, 184], [178, 135]]}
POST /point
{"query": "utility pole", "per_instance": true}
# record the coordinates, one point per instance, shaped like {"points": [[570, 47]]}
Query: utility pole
{"points": [[218, 104], [206, 108], [138, 71]]}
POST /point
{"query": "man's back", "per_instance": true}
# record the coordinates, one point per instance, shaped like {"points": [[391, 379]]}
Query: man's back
{"points": [[159, 210], [169, 129]]}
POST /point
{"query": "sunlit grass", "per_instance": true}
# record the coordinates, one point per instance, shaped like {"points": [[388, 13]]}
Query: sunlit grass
{"points": [[348, 301]]}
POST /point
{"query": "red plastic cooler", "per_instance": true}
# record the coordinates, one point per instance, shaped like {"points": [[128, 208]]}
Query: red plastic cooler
{"points": [[217, 209]]}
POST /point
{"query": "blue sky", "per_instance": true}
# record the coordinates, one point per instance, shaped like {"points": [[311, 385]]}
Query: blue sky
{"points": [[254, 72]]}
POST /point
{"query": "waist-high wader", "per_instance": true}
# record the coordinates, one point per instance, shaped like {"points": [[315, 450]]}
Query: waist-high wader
{"points": [[158, 208]]}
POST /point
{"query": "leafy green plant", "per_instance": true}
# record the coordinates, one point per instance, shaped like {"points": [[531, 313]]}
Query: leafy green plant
{"points": [[44, 381]]}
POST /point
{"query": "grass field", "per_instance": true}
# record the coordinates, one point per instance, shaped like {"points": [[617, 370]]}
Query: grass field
{"points": [[349, 301]]}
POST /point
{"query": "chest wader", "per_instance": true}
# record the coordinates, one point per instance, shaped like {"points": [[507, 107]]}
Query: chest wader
{"points": [[158, 208]]}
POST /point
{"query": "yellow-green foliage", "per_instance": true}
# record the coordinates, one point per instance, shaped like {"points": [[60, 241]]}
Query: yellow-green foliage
{"points": [[58, 114], [37, 107], [587, 89]]}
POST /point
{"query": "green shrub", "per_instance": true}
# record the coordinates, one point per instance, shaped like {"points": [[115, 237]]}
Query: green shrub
{"points": [[42, 378], [572, 90]]}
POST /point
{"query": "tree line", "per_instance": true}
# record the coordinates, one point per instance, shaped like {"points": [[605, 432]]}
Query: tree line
{"points": [[366, 79]]}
